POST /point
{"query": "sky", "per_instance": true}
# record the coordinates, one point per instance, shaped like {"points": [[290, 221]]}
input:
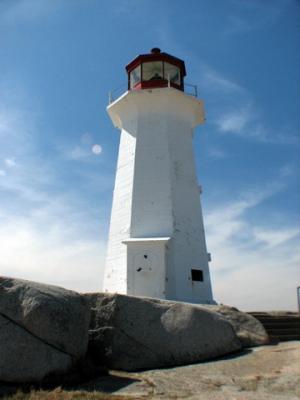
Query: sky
{"points": [[58, 147]]}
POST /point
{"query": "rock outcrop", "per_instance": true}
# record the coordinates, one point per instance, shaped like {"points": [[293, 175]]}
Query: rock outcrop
{"points": [[249, 330], [48, 333], [43, 330], [131, 333]]}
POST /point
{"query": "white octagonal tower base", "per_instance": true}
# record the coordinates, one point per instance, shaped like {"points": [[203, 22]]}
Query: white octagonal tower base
{"points": [[156, 233]]}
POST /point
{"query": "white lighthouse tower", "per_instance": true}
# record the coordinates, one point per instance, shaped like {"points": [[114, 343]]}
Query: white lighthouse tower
{"points": [[156, 244]]}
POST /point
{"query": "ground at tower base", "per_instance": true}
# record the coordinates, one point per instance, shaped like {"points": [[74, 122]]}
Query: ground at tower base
{"points": [[263, 373]]}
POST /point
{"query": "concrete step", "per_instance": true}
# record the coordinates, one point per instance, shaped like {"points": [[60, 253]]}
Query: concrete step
{"points": [[283, 331], [283, 338], [270, 324], [280, 326], [294, 321]]}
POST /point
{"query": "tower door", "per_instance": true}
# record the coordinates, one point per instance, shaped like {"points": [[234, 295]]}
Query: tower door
{"points": [[146, 273]]}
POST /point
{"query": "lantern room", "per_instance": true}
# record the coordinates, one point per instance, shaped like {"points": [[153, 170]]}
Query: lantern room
{"points": [[156, 70]]}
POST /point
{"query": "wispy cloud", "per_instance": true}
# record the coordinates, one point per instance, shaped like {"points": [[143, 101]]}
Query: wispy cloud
{"points": [[273, 238], [77, 153], [48, 254], [254, 15], [217, 153], [247, 122], [234, 111], [242, 118], [235, 121], [83, 151], [255, 258], [215, 80], [10, 162], [46, 234], [287, 170]]}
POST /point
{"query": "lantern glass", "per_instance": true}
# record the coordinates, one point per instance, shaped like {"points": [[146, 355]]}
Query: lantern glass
{"points": [[152, 70], [135, 77], [172, 73]]}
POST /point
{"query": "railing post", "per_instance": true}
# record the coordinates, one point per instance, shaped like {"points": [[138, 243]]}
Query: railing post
{"points": [[109, 97]]}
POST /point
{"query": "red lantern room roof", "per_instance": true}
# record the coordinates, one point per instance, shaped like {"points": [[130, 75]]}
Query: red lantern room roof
{"points": [[156, 69]]}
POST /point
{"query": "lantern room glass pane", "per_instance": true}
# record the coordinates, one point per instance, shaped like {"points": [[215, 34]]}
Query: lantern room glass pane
{"points": [[152, 70], [135, 77], [173, 73]]}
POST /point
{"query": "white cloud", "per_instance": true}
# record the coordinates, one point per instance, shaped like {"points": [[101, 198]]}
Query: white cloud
{"points": [[46, 253], [215, 80], [45, 234], [254, 265], [82, 152], [234, 110], [77, 153], [246, 122], [10, 162], [234, 122], [273, 238]]}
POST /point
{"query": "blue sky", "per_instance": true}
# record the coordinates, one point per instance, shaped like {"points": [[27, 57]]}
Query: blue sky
{"points": [[58, 61]]}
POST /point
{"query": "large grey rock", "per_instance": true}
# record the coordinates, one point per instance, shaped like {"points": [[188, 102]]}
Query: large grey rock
{"points": [[25, 358], [57, 316], [248, 329], [132, 333], [43, 330]]}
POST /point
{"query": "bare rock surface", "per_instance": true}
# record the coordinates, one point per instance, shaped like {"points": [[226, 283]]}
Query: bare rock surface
{"points": [[248, 329], [43, 330], [266, 373], [57, 316], [25, 358], [133, 333]]}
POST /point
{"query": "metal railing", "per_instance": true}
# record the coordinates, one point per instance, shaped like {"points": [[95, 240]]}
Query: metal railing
{"points": [[191, 90], [115, 93]]}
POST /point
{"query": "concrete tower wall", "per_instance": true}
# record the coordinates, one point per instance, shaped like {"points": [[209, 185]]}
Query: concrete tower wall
{"points": [[187, 246], [115, 274], [156, 206]]}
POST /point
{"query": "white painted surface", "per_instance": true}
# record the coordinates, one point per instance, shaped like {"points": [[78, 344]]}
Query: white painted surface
{"points": [[156, 196]]}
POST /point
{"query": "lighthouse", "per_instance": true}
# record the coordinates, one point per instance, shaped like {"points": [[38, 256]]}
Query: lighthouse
{"points": [[156, 246]]}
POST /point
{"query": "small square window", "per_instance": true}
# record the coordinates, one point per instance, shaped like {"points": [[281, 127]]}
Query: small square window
{"points": [[197, 275]]}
